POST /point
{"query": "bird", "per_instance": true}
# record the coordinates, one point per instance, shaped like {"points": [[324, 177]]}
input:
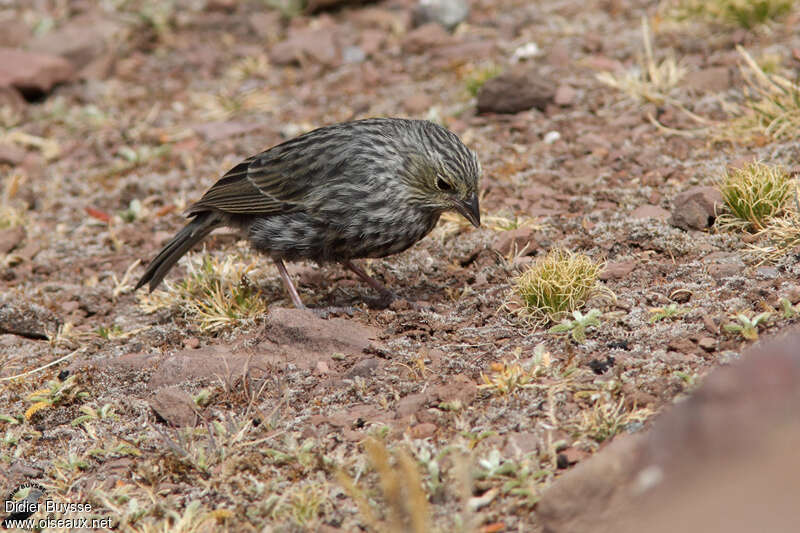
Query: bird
{"points": [[366, 188]]}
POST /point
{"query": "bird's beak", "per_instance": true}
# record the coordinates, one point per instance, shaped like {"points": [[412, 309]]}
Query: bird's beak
{"points": [[470, 210]]}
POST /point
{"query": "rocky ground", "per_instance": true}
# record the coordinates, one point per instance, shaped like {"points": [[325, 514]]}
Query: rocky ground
{"points": [[446, 411]]}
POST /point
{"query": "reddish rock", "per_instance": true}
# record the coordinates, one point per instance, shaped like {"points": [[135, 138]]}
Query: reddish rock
{"points": [[418, 103], [617, 270], [425, 38], [707, 343], [722, 461], [409, 405], [515, 91], [33, 73], [423, 431], [515, 240], [318, 45], [175, 407], [10, 238], [13, 33], [11, 154], [459, 388], [81, 41], [696, 208], [650, 211], [372, 41], [564, 95]]}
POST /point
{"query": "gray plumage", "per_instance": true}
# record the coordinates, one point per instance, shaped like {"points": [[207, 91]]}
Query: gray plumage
{"points": [[368, 188]]}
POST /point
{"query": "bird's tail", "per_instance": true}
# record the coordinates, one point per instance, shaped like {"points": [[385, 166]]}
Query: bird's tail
{"points": [[194, 232]]}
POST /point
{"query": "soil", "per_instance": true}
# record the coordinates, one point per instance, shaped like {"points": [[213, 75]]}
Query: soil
{"points": [[266, 423]]}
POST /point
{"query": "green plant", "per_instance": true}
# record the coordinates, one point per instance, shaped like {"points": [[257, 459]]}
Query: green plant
{"points": [[54, 393], [754, 195], [670, 311], [789, 311], [216, 292], [558, 284], [747, 326], [106, 412], [744, 13], [479, 76], [578, 326]]}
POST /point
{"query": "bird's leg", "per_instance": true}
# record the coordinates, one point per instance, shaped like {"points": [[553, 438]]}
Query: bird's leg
{"points": [[372, 282], [287, 281]]}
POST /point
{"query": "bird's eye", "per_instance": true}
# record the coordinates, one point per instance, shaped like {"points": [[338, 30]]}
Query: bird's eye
{"points": [[442, 185]]}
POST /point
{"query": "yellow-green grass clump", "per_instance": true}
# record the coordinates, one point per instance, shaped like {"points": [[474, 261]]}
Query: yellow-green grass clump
{"points": [[215, 292], [558, 284], [744, 13], [754, 196]]}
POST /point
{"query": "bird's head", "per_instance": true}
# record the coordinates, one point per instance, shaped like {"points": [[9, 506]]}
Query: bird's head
{"points": [[446, 174]]}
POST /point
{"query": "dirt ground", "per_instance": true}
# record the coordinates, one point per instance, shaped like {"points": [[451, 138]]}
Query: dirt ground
{"points": [[443, 415]]}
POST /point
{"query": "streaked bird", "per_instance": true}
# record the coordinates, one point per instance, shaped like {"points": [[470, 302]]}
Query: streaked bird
{"points": [[367, 188]]}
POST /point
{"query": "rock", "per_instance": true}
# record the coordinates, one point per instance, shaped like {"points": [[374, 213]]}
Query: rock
{"points": [[423, 431], [306, 44], [723, 264], [418, 103], [710, 80], [696, 208], [515, 240], [650, 211], [459, 389], [81, 41], [175, 407], [266, 24], [10, 238], [26, 319], [447, 13], [515, 91], [522, 443], [577, 502], [468, 51], [425, 38], [722, 461], [372, 41], [13, 34], [12, 99], [564, 95], [681, 344], [294, 337], [33, 74], [363, 368], [11, 154], [708, 344], [618, 270], [409, 405]]}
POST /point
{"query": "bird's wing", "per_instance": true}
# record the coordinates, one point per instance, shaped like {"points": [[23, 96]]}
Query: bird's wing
{"points": [[277, 180]]}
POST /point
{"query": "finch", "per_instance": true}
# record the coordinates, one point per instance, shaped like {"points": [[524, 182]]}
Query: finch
{"points": [[367, 188]]}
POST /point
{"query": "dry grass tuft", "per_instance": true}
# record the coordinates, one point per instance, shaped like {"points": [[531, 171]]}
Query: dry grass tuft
{"points": [[754, 196], [649, 81], [406, 503], [607, 418], [507, 377], [770, 108], [558, 284], [215, 292]]}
